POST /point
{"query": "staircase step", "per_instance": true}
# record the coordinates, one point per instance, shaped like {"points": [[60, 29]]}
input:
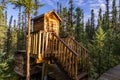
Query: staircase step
{"points": [[55, 72], [82, 75]]}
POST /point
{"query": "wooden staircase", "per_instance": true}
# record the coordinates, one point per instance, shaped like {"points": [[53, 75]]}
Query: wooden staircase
{"points": [[70, 57], [82, 52]]}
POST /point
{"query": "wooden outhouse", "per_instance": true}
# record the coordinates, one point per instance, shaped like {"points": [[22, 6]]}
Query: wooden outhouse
{"points": [[49, 22]]}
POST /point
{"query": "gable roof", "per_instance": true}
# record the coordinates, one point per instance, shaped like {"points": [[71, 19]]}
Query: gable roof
{"points": [[42, 15]]}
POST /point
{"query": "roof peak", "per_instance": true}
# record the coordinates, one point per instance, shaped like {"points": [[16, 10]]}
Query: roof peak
{"points": [[42, 15]]}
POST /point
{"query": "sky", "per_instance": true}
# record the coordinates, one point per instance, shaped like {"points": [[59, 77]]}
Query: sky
{"points": [[85, 5]]}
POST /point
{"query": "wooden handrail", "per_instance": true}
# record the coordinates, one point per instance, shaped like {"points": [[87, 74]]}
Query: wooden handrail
{"points": [[75, 42], [79, 44]]}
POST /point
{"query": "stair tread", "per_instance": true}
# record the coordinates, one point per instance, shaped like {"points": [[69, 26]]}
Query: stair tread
{"points": [[82, 75], [54, 72]]}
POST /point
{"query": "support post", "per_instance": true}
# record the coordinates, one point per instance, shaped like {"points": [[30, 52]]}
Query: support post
{"points": [[44, 71]]}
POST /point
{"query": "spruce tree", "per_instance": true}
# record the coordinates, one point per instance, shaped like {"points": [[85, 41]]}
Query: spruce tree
{"points": [[88, 30], [107, 26], [9, 40], [79, 25], [60, 10], [14, 38], [119, 13], [100, 18], [92, 26], [64, 23], [104, 21], [5, 17], [3, 29], [114, 15], [29, 6], [70, 13], [99, 42]]}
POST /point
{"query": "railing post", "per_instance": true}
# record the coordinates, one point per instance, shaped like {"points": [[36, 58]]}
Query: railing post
{"points": [[76, 68], [35, 43], [46, 45], [31, 44], [43, 44], [39, 45], [52, 41], [44, 71]]}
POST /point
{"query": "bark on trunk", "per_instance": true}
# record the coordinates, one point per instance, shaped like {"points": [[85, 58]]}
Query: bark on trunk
{"points": [[28, 49]]}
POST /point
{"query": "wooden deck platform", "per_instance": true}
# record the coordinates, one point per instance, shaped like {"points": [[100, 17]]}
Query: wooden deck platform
{"points": [[112, 74]]}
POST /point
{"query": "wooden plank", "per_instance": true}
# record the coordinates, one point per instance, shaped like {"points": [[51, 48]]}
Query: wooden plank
{"points": [[36, 37], [117, 67], [33, 44], [107, 76], [46, 45], [55, 72], [112, 74], [39, 48], [43, 72], [43, 45], [58, 53], [72, 66], [82, 75]]}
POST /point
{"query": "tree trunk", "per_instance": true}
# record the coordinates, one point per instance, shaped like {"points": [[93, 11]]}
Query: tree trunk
{"points": [[28, 49]]}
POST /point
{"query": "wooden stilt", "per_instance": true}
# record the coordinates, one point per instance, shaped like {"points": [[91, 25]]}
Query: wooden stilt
{"points": [[44, 71]]}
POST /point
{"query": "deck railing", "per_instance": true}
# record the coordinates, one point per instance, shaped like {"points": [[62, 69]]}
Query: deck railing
{"points": [[40, 44]]}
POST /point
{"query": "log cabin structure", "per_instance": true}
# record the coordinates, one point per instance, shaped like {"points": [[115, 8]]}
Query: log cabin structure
{"points": [[60, 58], [48, 22]]}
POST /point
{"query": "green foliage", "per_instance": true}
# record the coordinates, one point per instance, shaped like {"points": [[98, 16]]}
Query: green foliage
{"points": [[99, 37], [107, 21], [88, 30], [104, 51], [90, 27], [3, 37], [105, 46], [3, 30], [71, 9], [114, 15], [6, 71], [21, 40], [79, 32], [92, 24], [112, 42], [29, 5], [64, 24], [96, 50], [13, 36]]}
